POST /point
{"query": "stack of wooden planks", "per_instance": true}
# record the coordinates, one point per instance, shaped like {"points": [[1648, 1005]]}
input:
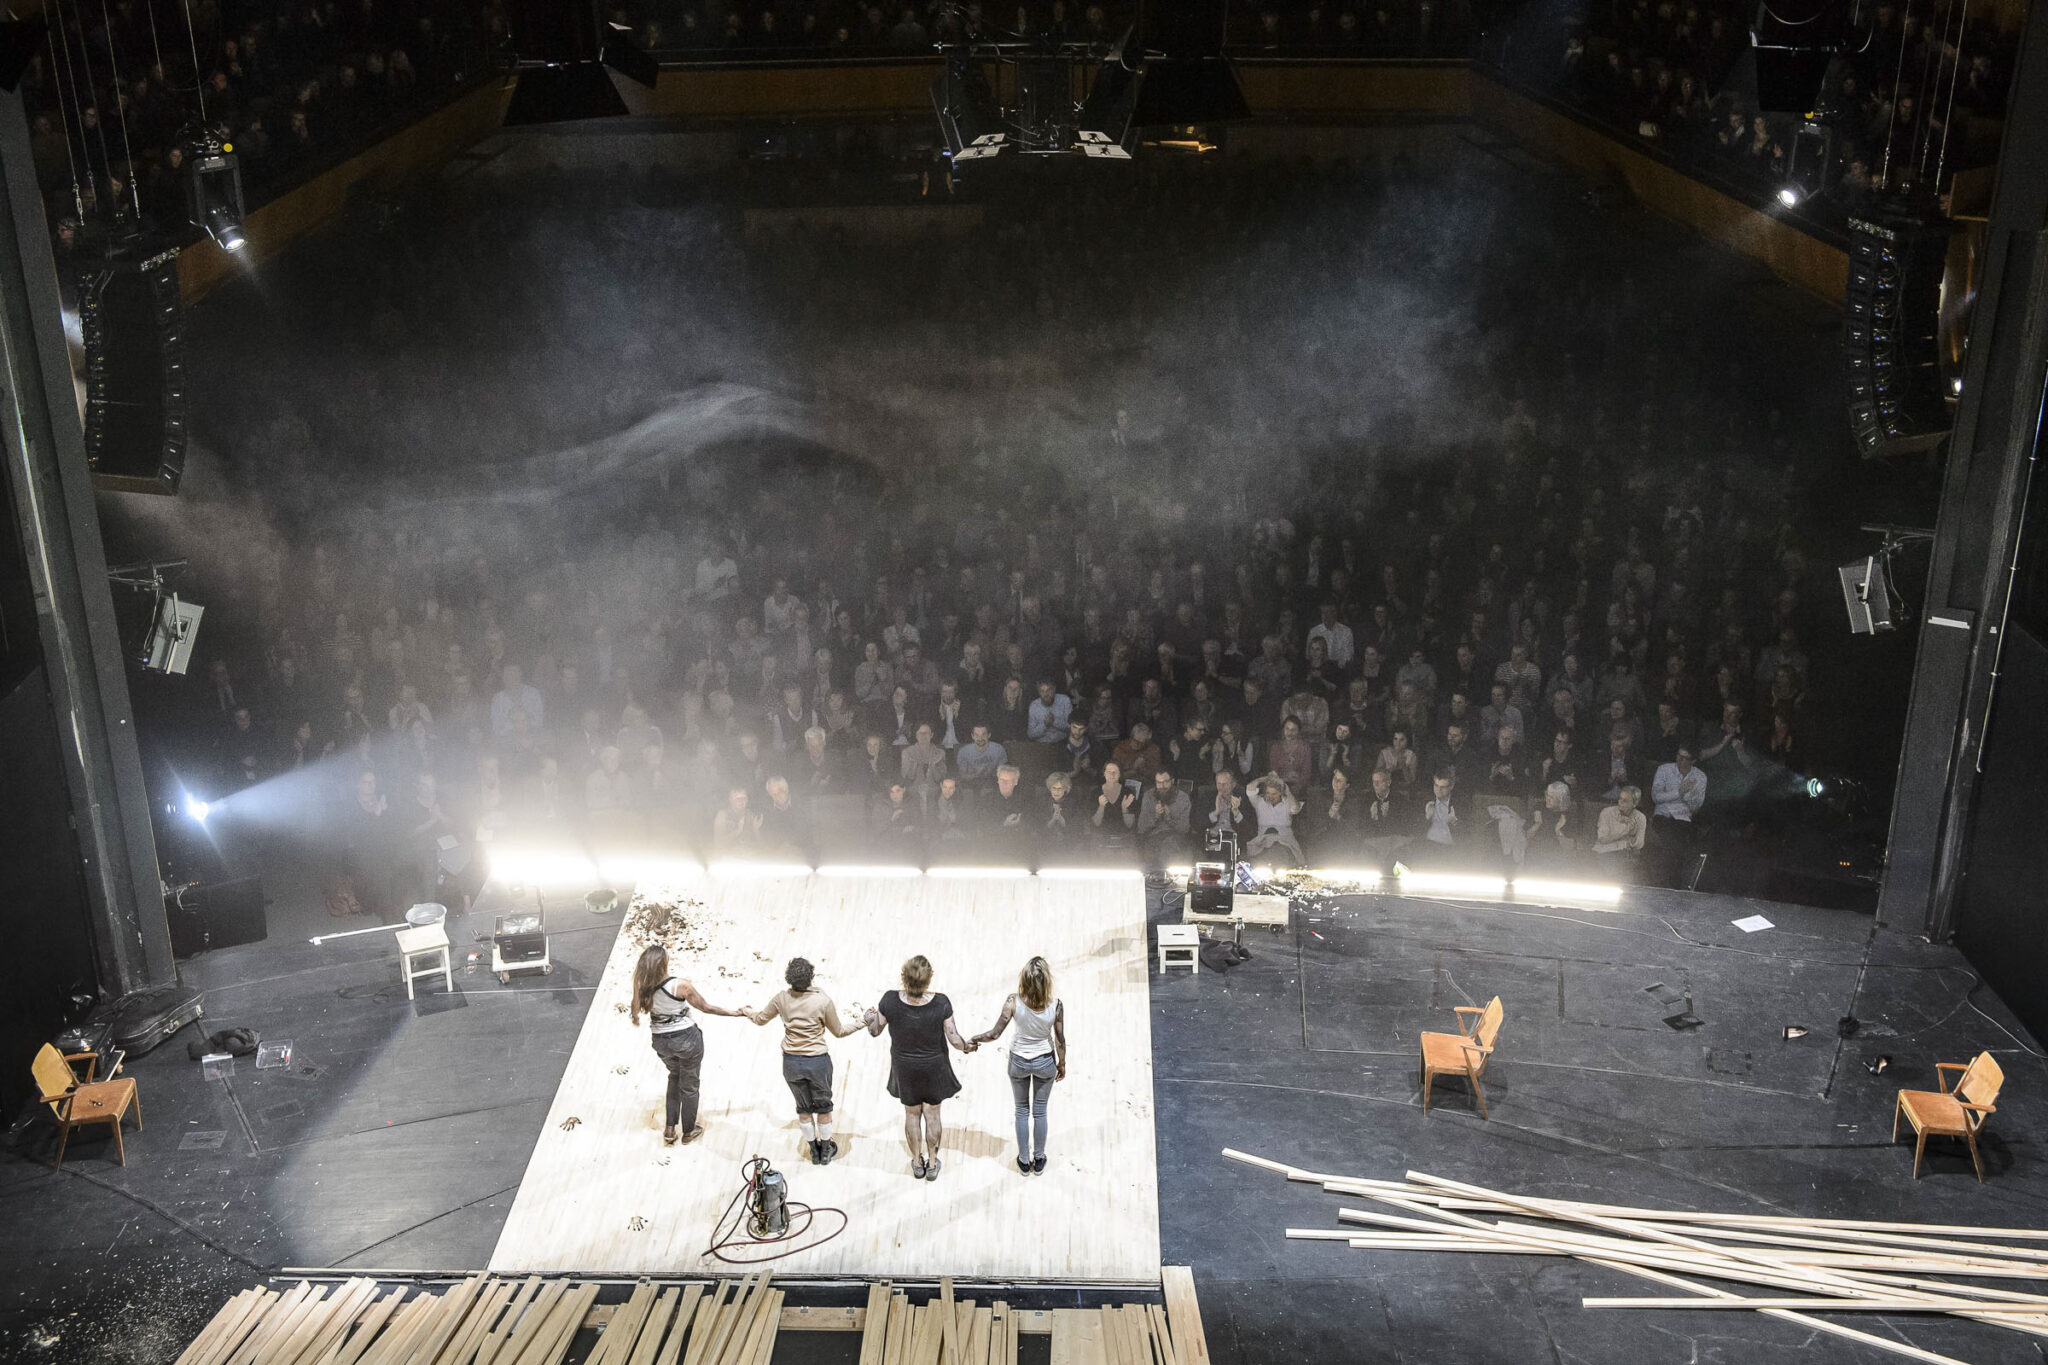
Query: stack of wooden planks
{"points": [[1804, 1265], [485, 1320], [488, 1321]]}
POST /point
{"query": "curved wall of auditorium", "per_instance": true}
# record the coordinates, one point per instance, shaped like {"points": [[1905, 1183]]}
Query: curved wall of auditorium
{"points": [[1301, 105], [1309, 95]]}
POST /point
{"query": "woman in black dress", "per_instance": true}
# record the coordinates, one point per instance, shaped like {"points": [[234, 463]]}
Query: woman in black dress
{"points": [[920, 1074]]}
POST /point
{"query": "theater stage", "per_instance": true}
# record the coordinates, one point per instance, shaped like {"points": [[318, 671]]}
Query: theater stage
{"points": [[602, 1194]]}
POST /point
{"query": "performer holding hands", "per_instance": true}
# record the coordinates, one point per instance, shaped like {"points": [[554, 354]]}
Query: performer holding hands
{"points": [[806, 1014], [667, 1001], [1038, 1056], [920, 1025]]}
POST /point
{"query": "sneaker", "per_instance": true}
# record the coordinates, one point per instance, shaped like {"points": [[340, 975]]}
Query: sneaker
{"points": [[1038, 1165], [931, 1169], [1023, 1166], [917, 1168], [693, 1134], [827, 1149]]}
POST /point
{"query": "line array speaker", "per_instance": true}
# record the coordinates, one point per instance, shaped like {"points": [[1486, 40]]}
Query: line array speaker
{"points": [[1889, 335], [134, 329]]}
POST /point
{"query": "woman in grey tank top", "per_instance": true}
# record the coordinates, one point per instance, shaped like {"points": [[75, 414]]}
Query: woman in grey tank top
{"points": [[1038, 1056], [667, 1001]]}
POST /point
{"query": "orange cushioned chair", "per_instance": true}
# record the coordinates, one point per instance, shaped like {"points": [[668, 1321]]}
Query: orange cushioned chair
{"points": [[1463, 1053], [1959, 1110], [77, 1104]]}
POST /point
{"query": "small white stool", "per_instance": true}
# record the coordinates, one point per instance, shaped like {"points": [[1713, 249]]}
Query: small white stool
{"points": [[429, 940], [1180, 945]]}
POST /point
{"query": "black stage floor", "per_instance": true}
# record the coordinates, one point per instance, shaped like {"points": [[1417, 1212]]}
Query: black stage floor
{"points": [[398, 1137]]}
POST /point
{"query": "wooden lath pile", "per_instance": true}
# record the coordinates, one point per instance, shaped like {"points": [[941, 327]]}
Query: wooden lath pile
{"points": [[488, 1321], [1806, 1265]]}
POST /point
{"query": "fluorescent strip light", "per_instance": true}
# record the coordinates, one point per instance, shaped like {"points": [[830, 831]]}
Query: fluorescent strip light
{"points": [[1526, 888], [1453, 883], [856, 870], [541, 866], [965, 874], [628, 867], [738, 870], [1359, 876], [1092, 874]]}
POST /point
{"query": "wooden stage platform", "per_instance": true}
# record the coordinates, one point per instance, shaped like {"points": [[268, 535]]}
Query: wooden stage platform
{"points": [[602, 1195]]}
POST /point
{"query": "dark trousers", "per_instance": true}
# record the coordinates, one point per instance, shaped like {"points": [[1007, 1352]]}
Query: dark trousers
{"points": [[683, 1054]]}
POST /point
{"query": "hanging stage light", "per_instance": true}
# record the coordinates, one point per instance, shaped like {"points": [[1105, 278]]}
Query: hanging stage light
{"points": [[213, 188]]}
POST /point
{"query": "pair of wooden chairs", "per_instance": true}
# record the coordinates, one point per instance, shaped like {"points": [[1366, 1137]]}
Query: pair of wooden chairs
{"points": [[81, 1103], [1968, 1094]]}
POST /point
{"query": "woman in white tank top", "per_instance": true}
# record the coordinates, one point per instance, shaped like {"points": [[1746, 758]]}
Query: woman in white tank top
{"points": [[1038, 1056]]}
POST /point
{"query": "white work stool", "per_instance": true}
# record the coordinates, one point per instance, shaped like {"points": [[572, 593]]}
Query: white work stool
{"points": [[1180, 945], [429, 941]]}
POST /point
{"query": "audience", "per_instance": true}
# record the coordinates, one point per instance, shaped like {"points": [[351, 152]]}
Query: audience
{"points": [[295, 85], [1340, 660]]}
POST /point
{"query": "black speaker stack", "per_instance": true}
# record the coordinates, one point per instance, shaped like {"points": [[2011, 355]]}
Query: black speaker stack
{"points": [[1890, 332], [134, 327]]}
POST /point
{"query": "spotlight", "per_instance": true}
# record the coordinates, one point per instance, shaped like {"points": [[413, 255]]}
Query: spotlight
{"points": [[1955, 386], [221, 225], [196, 808], [1816, 788], [1789, 196], [213, 187]]}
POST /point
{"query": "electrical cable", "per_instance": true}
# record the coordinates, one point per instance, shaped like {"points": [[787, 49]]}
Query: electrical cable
{"points": [[1922, 124], [198, 76], [121, 109], [100, 125], [1948, 115], [162, 74], [1891, 117], [77, 105], [64, 118], [725, 1233]]}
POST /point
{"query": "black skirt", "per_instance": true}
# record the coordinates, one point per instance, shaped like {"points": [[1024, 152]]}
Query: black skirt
{"points": [[921, 1082]]}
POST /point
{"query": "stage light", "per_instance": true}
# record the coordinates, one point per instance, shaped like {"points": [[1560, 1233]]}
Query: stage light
{"points": [[213, 188], [1789, 196], [638, 868], [856, 870], [1543, 889], [734, 869], [225, 229], [543, 867], [1816, 788], [1451, 883], [196, 808], [1347, 875], [1955, 386]]}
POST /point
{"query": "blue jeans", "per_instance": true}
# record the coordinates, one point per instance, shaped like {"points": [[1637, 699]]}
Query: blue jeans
{"points": [[1031, 1081]]}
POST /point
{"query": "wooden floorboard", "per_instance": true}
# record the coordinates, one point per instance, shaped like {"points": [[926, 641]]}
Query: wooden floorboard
{"points": [[603, 1195]]}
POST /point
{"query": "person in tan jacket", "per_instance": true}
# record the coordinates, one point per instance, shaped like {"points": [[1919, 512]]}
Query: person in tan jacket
{"points": [[807, 1014]]}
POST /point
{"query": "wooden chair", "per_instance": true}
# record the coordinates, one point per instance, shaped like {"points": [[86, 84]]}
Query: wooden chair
{"points": [[1959, 1110], [78, 1104], [1463, 1053]]}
